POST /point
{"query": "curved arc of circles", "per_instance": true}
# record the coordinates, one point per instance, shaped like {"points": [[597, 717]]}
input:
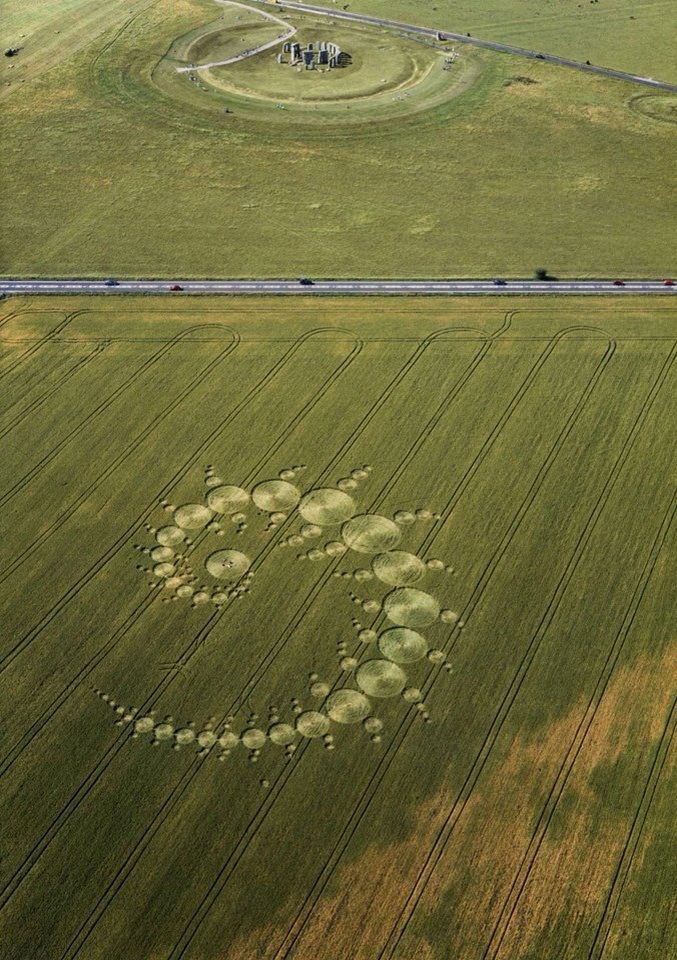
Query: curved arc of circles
{"points": [[416, 355], [413, 359], [282, 361], [146, 602], [365, 420], [408, 720], [431, 339], [10, 759]]}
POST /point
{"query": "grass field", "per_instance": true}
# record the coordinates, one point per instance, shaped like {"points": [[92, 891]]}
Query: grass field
{"points": [[112, 163], [446, 729]]}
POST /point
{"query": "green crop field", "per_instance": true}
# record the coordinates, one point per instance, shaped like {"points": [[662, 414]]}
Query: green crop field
{"points": [[337, 629], [113, 162]]}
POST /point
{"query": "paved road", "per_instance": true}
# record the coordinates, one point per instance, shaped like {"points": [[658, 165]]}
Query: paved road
{"points": [[339, 287], [476, 42]]}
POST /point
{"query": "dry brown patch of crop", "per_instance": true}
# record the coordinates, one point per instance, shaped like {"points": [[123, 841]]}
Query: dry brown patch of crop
{"points": [[350, 922], [571, 875]]}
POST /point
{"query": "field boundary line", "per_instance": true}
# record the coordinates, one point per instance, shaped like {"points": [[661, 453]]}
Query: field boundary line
{"points": [[372, 786]]}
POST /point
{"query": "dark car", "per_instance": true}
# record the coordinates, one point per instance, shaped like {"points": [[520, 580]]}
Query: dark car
{"points": [[668, 283], [175, 287], [111, 283], [539, 56], [500, 283], [305, 281], [619, 283]]}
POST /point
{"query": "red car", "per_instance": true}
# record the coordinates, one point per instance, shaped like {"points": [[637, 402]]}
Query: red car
{"points": [[619, 283], [668, 283], [176, 286]]}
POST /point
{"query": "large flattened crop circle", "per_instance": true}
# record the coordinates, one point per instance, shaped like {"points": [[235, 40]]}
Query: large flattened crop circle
{"points": [[370, 533], [347, 706], [381, 678], [275, 496], [411, 608], [228, 565], [398, 568], [326, 506]]}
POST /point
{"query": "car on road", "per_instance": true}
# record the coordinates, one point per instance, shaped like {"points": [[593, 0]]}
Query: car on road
{"points": [[619, 283], [668, 283], [176, 287], [305, 281], [110, 282], [500, 283], [539, 56]]}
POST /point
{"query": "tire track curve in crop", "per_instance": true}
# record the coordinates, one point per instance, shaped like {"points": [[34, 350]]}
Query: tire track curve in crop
{"points": [[100, 408], [27, 354], [256, 821], [35, 728]]}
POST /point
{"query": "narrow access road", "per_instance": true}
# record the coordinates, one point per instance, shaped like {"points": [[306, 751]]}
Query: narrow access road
{"points": [[476, 42], [340, 287]]}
